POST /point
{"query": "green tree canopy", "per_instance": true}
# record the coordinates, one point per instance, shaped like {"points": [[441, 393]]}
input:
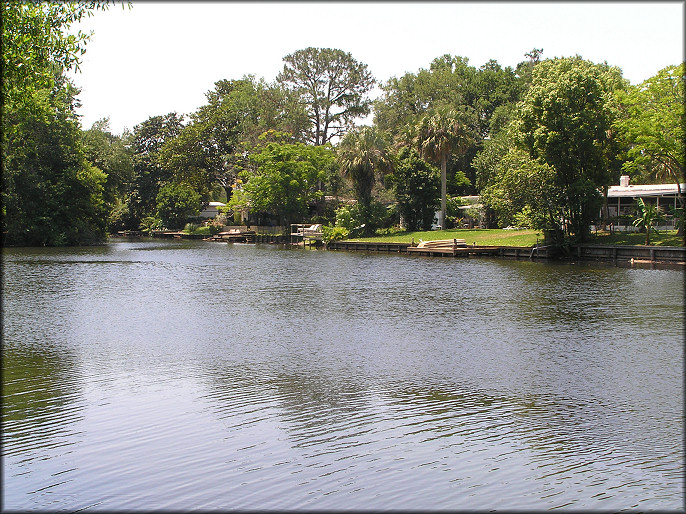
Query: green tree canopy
{"points": [[450, 83], [565, 121], [486, 161], [524, 193], [51, 194], [416, 185], [35, 42], [109, 153], [447, 82], [213, 147], [651, 124], [176, 203], [149, 175], [364, 157], [283, 179], [333, 87]]}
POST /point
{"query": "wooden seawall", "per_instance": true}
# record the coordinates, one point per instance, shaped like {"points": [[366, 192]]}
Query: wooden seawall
{"points": [[362, 246], [501, 251], [671, 255], [618, 253]]}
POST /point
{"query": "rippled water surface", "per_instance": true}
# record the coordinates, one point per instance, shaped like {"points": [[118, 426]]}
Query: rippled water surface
{"points": [[192, 375]]}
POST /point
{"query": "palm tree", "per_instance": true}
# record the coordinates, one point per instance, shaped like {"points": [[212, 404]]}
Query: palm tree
{"points": [[363, 156], [648, 214], [441, 133]]}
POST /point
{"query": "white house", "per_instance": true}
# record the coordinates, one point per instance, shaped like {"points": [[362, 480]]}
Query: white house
{"points": [[211, 210], [621, 200]]}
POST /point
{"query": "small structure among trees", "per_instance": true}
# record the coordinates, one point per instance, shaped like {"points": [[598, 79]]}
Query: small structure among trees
{"points": [[623, 202]]}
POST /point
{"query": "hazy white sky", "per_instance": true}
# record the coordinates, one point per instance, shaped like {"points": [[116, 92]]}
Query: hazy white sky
{"points": [[160, 57]]}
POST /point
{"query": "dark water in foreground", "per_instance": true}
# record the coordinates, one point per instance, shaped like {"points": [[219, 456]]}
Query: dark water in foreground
{"points": [[191, 375]]}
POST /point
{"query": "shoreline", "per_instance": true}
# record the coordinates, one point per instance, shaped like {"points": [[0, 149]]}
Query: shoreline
{"points": [[638, 256], [634, 256]]}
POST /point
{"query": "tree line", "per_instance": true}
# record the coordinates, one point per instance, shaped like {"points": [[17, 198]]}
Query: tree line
{"points": [[540, 143]]}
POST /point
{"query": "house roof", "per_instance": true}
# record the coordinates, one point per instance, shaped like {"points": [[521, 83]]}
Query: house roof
{"points": [[639, 190]]}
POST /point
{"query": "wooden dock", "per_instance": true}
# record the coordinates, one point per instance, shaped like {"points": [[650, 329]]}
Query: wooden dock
{"points": [[165, 234], [451, 247], [307, 233], [234, 236], [459, 251]]}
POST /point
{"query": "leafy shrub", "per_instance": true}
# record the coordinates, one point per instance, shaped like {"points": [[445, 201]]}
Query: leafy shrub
{"points": [[346, 217], [190, 228], [358, 220], [204, 230], [524, 218], [150, 224], [334, 233], [454, 215], [389, 231]]}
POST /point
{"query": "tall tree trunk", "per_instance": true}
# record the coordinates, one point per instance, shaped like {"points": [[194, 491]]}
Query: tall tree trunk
{"points": [[606, 211], [679, 194], [444, 189]]}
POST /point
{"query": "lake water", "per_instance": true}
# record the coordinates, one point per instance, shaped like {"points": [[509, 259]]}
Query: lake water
{"points": [[195, 375]]}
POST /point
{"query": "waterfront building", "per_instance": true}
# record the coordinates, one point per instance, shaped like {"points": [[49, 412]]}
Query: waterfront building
{"points": [[622, 198]]}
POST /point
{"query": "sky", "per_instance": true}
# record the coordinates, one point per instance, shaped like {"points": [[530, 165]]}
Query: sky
{"points": [[159, 57]]}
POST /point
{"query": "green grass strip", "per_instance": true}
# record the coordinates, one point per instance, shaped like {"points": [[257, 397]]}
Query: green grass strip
{"points": [[500, 237]]}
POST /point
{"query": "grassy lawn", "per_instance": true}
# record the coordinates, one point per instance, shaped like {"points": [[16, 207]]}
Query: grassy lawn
{"points": [[482, 237], [664, 238], [499, 237]]}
